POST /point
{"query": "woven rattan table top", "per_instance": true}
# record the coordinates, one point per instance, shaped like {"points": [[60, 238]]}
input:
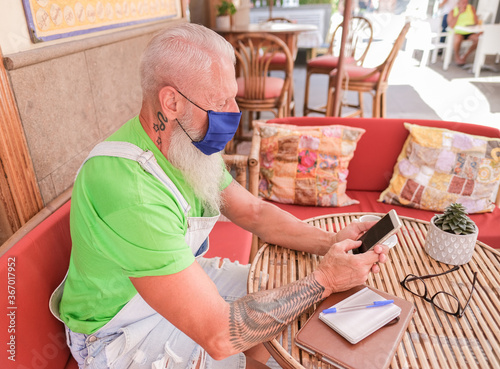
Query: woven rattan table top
{"points": [[433, 339]]}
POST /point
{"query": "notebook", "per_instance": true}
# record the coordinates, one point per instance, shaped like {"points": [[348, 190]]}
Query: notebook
{"points": [[347, 323], [375, 351]]}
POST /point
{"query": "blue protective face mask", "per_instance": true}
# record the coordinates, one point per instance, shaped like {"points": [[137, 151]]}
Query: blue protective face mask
{"points": [[221, 128]]}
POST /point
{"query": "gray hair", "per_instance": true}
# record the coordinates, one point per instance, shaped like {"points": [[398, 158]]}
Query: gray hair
{"points": [[182, 55]]}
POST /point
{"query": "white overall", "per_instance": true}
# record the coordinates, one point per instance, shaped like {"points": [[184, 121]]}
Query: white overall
{"points": [[133, 335]]}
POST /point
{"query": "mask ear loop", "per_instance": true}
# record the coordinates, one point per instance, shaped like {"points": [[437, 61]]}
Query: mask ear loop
{"points": [[179, 123], [187, 134], [199, 107]]}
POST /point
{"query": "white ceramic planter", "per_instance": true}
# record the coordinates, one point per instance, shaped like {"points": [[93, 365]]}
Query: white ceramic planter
{"points": [[223, 22], [449, 248]]}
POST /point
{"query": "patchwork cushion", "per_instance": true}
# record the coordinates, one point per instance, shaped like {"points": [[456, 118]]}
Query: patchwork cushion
{"points": [[306, 165], [437, 167]]}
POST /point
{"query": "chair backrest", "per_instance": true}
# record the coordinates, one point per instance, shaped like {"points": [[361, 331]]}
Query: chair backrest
{"points": [[278, 20], [386, 66], [489, 39], [254, 53], [335, 19], [485, 16], [269, 21], [419, 35], [359, 39], [37, 258]]}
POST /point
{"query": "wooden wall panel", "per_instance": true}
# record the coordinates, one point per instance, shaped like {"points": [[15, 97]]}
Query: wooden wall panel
{"points": [[19, 194]]}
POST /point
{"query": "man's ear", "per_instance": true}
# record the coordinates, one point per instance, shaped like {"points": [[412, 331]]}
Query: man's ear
{"points": [[169, 101]]}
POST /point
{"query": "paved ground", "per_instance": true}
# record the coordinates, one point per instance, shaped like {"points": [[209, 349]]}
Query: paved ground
{"points": [[416, 92], [420, 92], [424, 92]]}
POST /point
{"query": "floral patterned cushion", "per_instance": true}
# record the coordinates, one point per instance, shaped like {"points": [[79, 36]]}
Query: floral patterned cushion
{"points": [[437, 167], [306, 165]]}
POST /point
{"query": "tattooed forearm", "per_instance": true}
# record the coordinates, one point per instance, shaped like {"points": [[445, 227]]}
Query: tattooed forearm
{"points": [[260, 316]]}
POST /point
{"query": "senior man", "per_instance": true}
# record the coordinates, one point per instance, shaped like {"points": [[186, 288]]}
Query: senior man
{"points": [[138, 293]]}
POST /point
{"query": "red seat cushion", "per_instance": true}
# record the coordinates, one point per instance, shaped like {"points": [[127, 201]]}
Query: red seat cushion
{"points": [[486, 222], [71, 364], [227, 240], [273, 87], [328, 61], [40, 260], [276, 59], [355, 71]]}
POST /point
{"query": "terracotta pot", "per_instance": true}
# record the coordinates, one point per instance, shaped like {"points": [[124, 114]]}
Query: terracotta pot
{"points": [[449, 248]]}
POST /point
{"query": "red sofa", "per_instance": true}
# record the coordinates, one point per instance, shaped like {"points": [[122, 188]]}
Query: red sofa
{"points": [[383, 139], [33, 263]]}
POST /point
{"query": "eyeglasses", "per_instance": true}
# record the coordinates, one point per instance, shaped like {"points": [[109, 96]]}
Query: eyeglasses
{"points": [[442, 300]]}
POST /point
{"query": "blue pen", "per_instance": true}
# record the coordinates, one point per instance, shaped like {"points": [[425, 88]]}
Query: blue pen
{"points": [[357, 307]]}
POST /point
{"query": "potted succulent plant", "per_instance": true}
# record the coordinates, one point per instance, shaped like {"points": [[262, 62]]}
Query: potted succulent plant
{"points": [[225, 10], [452, 236]]}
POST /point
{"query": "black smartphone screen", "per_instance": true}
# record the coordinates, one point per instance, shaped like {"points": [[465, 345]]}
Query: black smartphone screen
{"points": [[374, 234]]}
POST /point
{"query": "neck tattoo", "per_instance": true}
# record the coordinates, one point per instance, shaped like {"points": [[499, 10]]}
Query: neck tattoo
{"points": [[160, 126]]}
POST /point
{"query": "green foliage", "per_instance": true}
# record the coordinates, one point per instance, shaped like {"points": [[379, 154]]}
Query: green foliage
{"points": [[333, 3], [226, 8], [455, 220], [307, 2]]}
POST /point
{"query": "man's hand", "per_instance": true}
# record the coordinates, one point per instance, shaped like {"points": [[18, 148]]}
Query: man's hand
{"points": [[354, 230], [339, 270]]}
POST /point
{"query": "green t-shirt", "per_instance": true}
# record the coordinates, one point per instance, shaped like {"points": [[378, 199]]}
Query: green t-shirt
{"points": [[124, 223]]}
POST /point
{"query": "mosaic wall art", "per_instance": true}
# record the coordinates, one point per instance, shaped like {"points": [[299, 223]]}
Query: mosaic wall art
{"points": [[53, 19]]}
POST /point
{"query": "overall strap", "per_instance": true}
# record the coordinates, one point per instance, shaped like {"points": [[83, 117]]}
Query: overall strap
{"points": [[146, 159]]}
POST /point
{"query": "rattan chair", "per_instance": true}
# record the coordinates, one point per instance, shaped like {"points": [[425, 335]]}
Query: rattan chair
{"points": [[358, 42], [257, 91], [372, 80], [278, 61]]}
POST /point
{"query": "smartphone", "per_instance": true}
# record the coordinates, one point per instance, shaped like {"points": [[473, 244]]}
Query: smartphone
{"points": [[382, 230]]}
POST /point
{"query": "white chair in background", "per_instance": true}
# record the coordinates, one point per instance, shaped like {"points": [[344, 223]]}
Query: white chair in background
{"points": [[484, 17], [488, 44], [425, 35], [448, 50]]}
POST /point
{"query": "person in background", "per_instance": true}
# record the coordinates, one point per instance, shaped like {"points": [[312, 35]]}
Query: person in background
{"points": [[139, 293], [464, 14], [444, 7]]}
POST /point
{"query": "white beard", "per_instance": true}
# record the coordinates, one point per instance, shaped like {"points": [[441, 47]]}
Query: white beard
{"points": [[204, 173]]}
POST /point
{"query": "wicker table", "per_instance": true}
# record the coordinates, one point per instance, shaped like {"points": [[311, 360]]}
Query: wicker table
{"points": [[288, 32], [433, 339]]}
